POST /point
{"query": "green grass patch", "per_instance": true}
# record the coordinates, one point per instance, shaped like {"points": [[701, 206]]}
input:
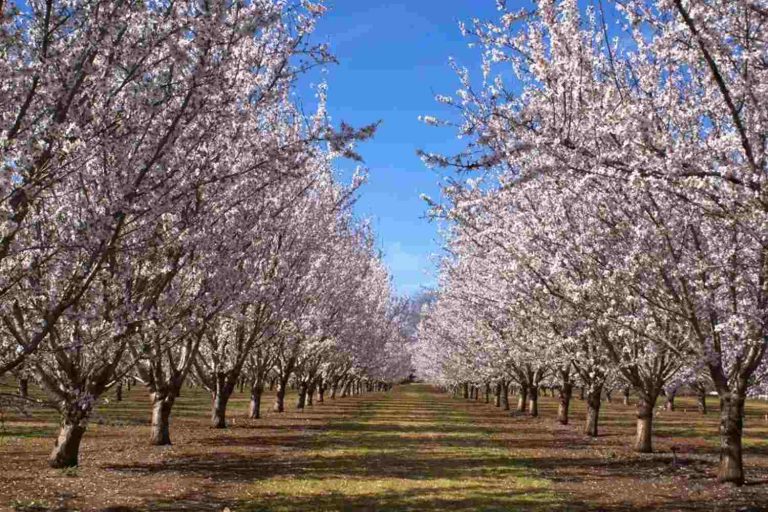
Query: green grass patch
{"points": [[400, 453]]}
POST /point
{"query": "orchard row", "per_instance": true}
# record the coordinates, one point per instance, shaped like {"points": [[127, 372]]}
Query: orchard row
{"points": [[612, 229], [168, 213]]}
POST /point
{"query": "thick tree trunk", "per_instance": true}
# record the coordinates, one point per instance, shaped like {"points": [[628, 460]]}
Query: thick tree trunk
{"points": [[280, 397], [533, 401], [321, 392], [302, 400], [566, 390], [487, 393], [644, 435], [465, 390], [160, 433], [254, 409], [593, 411], [67, 448], [581, 393], [731, 428], [626, 392], [219, 409], [119, 391], [522, 401], [497, 398]]}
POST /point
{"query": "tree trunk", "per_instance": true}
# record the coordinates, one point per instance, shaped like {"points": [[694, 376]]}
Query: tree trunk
{"points": [[321, 392], [302, 400], [566, 390], [505, 396], [219, 409], [67, 448], [334, 388], [465, 390], [160, 434], [254, 409], [345, 389], [533, 401], [311, 394], [701, 401], [626, 392], [644, 436], [23, 387], [497, 398], [119, 391], [581, 393], [593, 411], [280, 397], [522, 401], [731, 427], [669, 405]]}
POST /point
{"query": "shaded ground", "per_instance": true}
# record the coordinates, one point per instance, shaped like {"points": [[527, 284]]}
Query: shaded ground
{"points": [[410, 449]]}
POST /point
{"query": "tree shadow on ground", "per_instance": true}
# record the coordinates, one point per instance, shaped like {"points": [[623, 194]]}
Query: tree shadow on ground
{"points": [[417, 451]]}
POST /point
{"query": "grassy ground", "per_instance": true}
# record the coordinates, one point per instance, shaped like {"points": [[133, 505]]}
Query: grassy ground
{"points": [[411, 449]]}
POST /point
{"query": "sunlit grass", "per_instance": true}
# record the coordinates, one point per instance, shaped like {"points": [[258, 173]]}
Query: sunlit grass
{"points": [[405, 452]]}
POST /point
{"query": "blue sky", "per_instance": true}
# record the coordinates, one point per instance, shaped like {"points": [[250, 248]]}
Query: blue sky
{"points": [[393, 59]]}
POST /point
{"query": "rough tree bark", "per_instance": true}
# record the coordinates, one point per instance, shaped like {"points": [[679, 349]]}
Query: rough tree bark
{"points": [[644, 434], [162, 404], [505, 395], [566, 391], [224, 389], [522, 401], [282, 386], [65, 451], [533, 401], [320, 391], [23, 387], [254, 408], [731, 429], [302, 400], [67, 447], [593, 399]]}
